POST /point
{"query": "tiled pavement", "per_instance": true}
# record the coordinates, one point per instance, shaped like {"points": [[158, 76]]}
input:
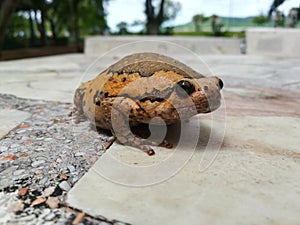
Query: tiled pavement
{"points": [[252, 179]]}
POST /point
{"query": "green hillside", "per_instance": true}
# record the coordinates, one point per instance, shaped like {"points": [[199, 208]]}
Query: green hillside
{"points": [[229, 24]]}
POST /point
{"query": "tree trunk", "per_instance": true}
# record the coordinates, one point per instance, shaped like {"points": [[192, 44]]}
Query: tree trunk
{"points": [[76, 32], [153, 28], [154, 21], [101, 17], [53, 29], [6, 11], [32, 31], [41, 25], [43, 28]]}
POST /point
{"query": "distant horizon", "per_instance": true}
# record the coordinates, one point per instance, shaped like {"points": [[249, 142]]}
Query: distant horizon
{"points": [[134, 10]]}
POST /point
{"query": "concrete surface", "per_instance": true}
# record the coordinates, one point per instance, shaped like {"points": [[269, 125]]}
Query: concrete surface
{"points": [[254, 178], [283, 42], [56, 77], [10, 119], [45, 78], [199, 45]]}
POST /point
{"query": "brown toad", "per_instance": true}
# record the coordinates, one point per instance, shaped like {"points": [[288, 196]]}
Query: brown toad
{"points": [[141, 87]]}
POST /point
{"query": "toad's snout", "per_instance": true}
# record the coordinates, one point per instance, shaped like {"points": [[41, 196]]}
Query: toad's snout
{"points": [[208, 98], [220, 83]]}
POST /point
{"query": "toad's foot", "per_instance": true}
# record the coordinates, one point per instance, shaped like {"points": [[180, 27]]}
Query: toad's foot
{"points": [[130, 134], [145, 145]]}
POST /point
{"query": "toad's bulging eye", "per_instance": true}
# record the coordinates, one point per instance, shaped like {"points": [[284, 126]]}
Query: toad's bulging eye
{"points": [[184, 87]]}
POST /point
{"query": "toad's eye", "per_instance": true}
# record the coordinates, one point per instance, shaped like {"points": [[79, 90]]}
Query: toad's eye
{"points": [[184, 87]]}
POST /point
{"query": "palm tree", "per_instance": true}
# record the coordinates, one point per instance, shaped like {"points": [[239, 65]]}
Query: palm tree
{"points": [[277, 3], [274, 6]]}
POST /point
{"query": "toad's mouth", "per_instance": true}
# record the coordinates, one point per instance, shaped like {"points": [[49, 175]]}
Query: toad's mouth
{"points": [[200, 102], [206, 102], [152, 99]]}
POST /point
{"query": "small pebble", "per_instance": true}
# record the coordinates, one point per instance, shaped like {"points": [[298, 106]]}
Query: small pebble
{"points": [[43, 180], [50, 216], [23, 220], [60, 138], [48, 139], [104, 223], [23, 191], [71, 168], [21, 131], [48, 191], [3, 148], [37, 163], [77, 154], [27, 201], [63, 177], [19, 172], [38, 201], [52, 202], [39, 149], [18, 207], [14, 146], [59, 160], [65, 186], [10, 157]]}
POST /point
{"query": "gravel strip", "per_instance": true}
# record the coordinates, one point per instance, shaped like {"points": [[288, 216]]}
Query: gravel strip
{"points": [[41, 160]]}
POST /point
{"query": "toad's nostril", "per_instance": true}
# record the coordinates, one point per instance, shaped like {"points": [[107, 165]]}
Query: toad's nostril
{"points": [[221, 84]]}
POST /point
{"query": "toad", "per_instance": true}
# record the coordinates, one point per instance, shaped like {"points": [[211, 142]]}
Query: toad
{"points": [[145, 88]]}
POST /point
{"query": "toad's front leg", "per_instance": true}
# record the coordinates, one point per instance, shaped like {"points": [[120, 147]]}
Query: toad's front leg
{"points": [[124, 114]]}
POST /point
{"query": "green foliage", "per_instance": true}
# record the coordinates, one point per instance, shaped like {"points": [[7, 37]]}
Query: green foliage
{"points": [[198, 19], [16, 32], [211, 34], [230, 24], [91, 21], [54, 21], [171, 9], [122, 28], [260, 20], [58, 18], [216, 25], [18, 26], [158, 12]]}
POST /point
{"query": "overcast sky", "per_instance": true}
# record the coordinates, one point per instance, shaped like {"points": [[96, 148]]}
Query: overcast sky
{"points": [[131, 10]]}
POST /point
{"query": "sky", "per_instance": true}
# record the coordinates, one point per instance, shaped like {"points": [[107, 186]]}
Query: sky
{"points": [[132, 10]]}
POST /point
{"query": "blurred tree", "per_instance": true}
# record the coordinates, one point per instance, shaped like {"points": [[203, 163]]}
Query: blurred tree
{"points": [[122, 28], [87, 17], [57, 17], [7, 8], [73, 18], [92, 18], [293, 17], [198, 20], [16, 26], [216, 26], [75, 21], [36, 11], [274, 6], [277, 3], [260, 20], [27, 8], [138, 23], [39, 7], [279, 19], [155, 16]]}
